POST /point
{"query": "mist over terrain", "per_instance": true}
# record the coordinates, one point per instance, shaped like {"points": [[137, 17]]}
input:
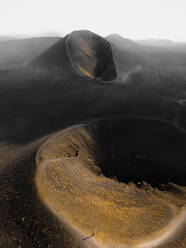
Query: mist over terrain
{"points": [[92, 142]]}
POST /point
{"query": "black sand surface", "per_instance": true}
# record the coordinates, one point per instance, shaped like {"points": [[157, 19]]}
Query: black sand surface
{"points": [[63, 87]]}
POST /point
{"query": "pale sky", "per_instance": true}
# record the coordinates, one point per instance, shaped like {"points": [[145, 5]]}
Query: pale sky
{"points": [[134, 19]]}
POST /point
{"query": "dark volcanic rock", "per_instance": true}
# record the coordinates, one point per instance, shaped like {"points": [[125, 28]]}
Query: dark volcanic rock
{"points": [[91, 55], [83, 53], [54, 59]]}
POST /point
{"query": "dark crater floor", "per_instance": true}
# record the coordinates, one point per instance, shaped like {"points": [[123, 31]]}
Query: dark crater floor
{"points": [[141, 150]]}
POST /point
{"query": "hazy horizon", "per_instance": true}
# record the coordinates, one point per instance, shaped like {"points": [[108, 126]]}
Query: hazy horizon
{"points": [[136, 20], [55, 34]]}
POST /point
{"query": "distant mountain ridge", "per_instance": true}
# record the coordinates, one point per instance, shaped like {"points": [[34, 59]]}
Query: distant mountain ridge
{"points": [[163, 44], [160, 42], [22, 51], [118, 40]]}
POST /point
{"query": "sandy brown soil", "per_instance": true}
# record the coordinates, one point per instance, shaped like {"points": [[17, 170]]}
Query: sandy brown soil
{"points": [[106, 184], [68, 180], [25, 220]]}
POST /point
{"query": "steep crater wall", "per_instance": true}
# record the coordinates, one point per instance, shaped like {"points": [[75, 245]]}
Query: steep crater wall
{"points": [[93, 177], [91, 55], [132, 150]]}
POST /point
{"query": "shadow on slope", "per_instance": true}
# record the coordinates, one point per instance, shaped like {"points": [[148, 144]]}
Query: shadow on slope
{"points": [[81, 52], [129, 55], [141, 150], [91, 55]]}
